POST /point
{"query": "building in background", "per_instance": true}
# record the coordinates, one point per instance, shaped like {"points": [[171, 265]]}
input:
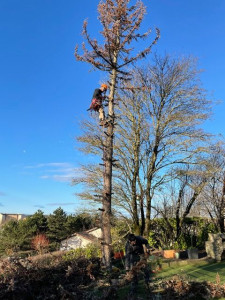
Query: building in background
{"points": [[4, 218], [82, 239]]}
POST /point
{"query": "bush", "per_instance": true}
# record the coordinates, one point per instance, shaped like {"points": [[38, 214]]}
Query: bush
{"points": [[151, 239], [91, 251], [203, 233], [118, 232], [194, 232], [40, 243]]}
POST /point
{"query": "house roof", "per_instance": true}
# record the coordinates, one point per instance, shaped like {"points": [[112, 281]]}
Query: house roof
{"points": [[87, 235], [92, 229]]}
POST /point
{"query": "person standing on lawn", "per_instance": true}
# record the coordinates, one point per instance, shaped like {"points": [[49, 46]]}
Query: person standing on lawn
{"points": [[137, 248]]}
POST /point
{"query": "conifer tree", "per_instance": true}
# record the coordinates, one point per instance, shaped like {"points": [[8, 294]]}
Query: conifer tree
{"points": [[57, 229], [121, 22], [39, 220]]}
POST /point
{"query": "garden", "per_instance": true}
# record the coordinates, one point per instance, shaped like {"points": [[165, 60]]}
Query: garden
{"points": [[60, 275], [31, 266]]}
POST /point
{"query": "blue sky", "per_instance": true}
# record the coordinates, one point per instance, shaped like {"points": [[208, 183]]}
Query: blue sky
{"points": [[44, 92]]}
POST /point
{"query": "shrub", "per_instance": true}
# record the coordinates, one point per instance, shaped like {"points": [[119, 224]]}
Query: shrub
{"points": [[151, 239], [88, 252], [118, 232], [40, 243], [204, 230]]}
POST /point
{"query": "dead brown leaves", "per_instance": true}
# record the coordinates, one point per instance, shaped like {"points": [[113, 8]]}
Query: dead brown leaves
{"points": [[55, 279], [177, 288]]}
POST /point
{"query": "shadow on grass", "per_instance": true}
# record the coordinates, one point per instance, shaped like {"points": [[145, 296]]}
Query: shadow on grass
{"points": [[209, 272], [193, 281], [173, 289], [199, 272]]}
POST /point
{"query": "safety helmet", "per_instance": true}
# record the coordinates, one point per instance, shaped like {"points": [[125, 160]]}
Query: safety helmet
{"points": [[104, 86]]}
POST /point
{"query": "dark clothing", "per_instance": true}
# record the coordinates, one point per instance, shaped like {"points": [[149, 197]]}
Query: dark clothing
{"points": [[96, 103], [98, 94], [135, 261], [133, 252]]}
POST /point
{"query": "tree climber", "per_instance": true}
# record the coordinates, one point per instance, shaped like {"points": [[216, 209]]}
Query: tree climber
{"points": [[97, 102]]}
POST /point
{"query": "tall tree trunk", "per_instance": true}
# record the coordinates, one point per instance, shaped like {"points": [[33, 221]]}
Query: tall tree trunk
{"points": [[178, 225], [134, 207], [107, 185], [148, 189], [222, 209], [148, 208], [180, 197], [142, 210], [142, 215], [136, 150]]}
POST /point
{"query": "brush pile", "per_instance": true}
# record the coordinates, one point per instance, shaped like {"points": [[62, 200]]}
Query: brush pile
{"points": [[54, 278]]}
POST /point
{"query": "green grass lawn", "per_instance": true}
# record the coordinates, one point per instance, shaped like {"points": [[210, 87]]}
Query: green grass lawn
{"points": [[191, 270], [199, 271]]}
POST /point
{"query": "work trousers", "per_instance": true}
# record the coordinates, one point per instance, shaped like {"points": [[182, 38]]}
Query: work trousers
{"points": [[140, 265], [101, 114]]}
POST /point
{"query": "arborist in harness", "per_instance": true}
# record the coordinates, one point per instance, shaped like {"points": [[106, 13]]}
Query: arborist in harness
{"points": [[137, 248], [97, 102]]}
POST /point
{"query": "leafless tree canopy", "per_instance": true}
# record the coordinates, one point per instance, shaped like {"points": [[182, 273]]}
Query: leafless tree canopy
{"points": [[121, 24], [161, 112]]}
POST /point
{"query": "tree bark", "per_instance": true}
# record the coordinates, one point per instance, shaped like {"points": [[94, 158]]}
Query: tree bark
{"points": [[222, 209], [142, 215], [107, 176], [149, 185], [180, 197]]}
